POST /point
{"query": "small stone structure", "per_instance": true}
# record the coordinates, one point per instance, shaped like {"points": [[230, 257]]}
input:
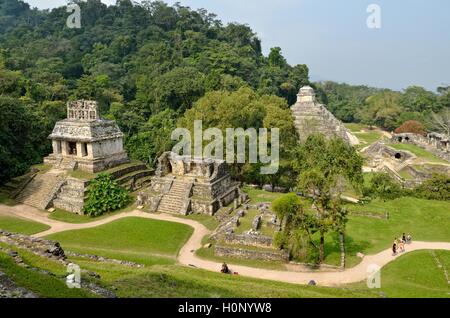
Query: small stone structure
{"points": [[437, 144], [311, 117], [266, 255], [379, 153], [85, 141], [184, 185], [251, 244], [381, 157]]}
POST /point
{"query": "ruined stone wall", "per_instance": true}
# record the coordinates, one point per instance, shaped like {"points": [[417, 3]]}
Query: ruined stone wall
{"points": [[204, 207], [266, 255], [38, 246], [248, 239], [438, 146]]}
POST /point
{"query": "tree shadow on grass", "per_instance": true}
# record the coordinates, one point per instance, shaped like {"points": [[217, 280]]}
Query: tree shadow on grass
{"points": [[351, 246]]}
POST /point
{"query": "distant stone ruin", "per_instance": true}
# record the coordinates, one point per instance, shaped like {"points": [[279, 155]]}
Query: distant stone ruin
{"points": [[184, 185], [402, 165], [311, 117], [437, 144]]}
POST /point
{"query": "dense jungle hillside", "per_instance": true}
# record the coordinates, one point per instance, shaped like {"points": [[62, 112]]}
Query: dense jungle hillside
{"points": [[147, 64]]}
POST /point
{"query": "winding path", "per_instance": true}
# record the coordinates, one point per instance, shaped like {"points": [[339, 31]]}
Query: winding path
{"points": [[187, 253]]}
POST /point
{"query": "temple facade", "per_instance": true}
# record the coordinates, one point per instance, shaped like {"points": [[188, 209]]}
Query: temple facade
{"points": [[184, 185], [85, 141]]}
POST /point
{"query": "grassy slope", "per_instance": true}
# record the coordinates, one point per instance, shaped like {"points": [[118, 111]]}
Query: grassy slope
{"points": [[415, 275], [364, 133], [412, 275], [134, 239], [41, 284], [69, 217], [13, 224], [5, 199], [208, 221], [258, 196], [178, 281], [425, 220], [171, 281]]}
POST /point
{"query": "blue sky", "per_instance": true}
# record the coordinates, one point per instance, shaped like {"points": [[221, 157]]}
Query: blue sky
{"points": [[412, 47]]}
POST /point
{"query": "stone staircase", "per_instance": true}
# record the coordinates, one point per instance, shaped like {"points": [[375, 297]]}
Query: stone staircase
{"points": [[66, 164], [17, 184], [133, 177], [314, 117], [174, 201], [41, 190]]}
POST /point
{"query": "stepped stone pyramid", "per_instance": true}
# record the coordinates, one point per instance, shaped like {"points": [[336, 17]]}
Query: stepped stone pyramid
{"points": [[312, 117]]}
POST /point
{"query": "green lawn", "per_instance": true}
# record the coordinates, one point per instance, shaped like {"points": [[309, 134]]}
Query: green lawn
{"points": [[178, 281], [425, 220], [208, 253], [369, 136], [5, 199], [17, 225], [419, 152], [208, 221], [355, 127], [135, 239], [364, 133], [69, 217], [166, 281], [258, 196], [415, 275], [412, 275]]}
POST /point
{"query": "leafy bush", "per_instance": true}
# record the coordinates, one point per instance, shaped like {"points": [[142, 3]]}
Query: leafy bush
{"points": [[436, 188], [382, 186], [104, 195]]}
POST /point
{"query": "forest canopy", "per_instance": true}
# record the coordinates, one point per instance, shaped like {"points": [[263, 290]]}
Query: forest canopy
{"points": [[152, 66]]}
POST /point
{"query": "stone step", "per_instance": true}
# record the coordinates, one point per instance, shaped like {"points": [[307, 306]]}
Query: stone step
{"points": [[166, 202], [71, 206], [135, 174], [73, 192], [37, 191], [70, 197]]}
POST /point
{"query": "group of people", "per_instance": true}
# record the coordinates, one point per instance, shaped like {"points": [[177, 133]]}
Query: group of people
{"points": [[399, 243]]}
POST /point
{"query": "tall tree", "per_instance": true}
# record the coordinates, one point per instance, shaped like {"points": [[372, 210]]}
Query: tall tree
{"points": [[323, 167]]}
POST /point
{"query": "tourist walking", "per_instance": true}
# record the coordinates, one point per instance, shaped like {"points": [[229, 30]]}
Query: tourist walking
{"points": [[401, 245], [394, 248]]}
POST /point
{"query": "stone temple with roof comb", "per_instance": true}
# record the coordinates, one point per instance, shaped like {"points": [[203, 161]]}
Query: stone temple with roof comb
{"points": [[85, 140], [312, 117]]}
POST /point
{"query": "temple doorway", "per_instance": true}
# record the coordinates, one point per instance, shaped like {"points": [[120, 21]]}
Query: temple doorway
{"points": [[72, 148]]}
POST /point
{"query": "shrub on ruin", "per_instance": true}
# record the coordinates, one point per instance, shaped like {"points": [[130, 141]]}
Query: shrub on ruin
{"points": [[436, 188], [383, 186], [104, 195], [411, 126]]}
